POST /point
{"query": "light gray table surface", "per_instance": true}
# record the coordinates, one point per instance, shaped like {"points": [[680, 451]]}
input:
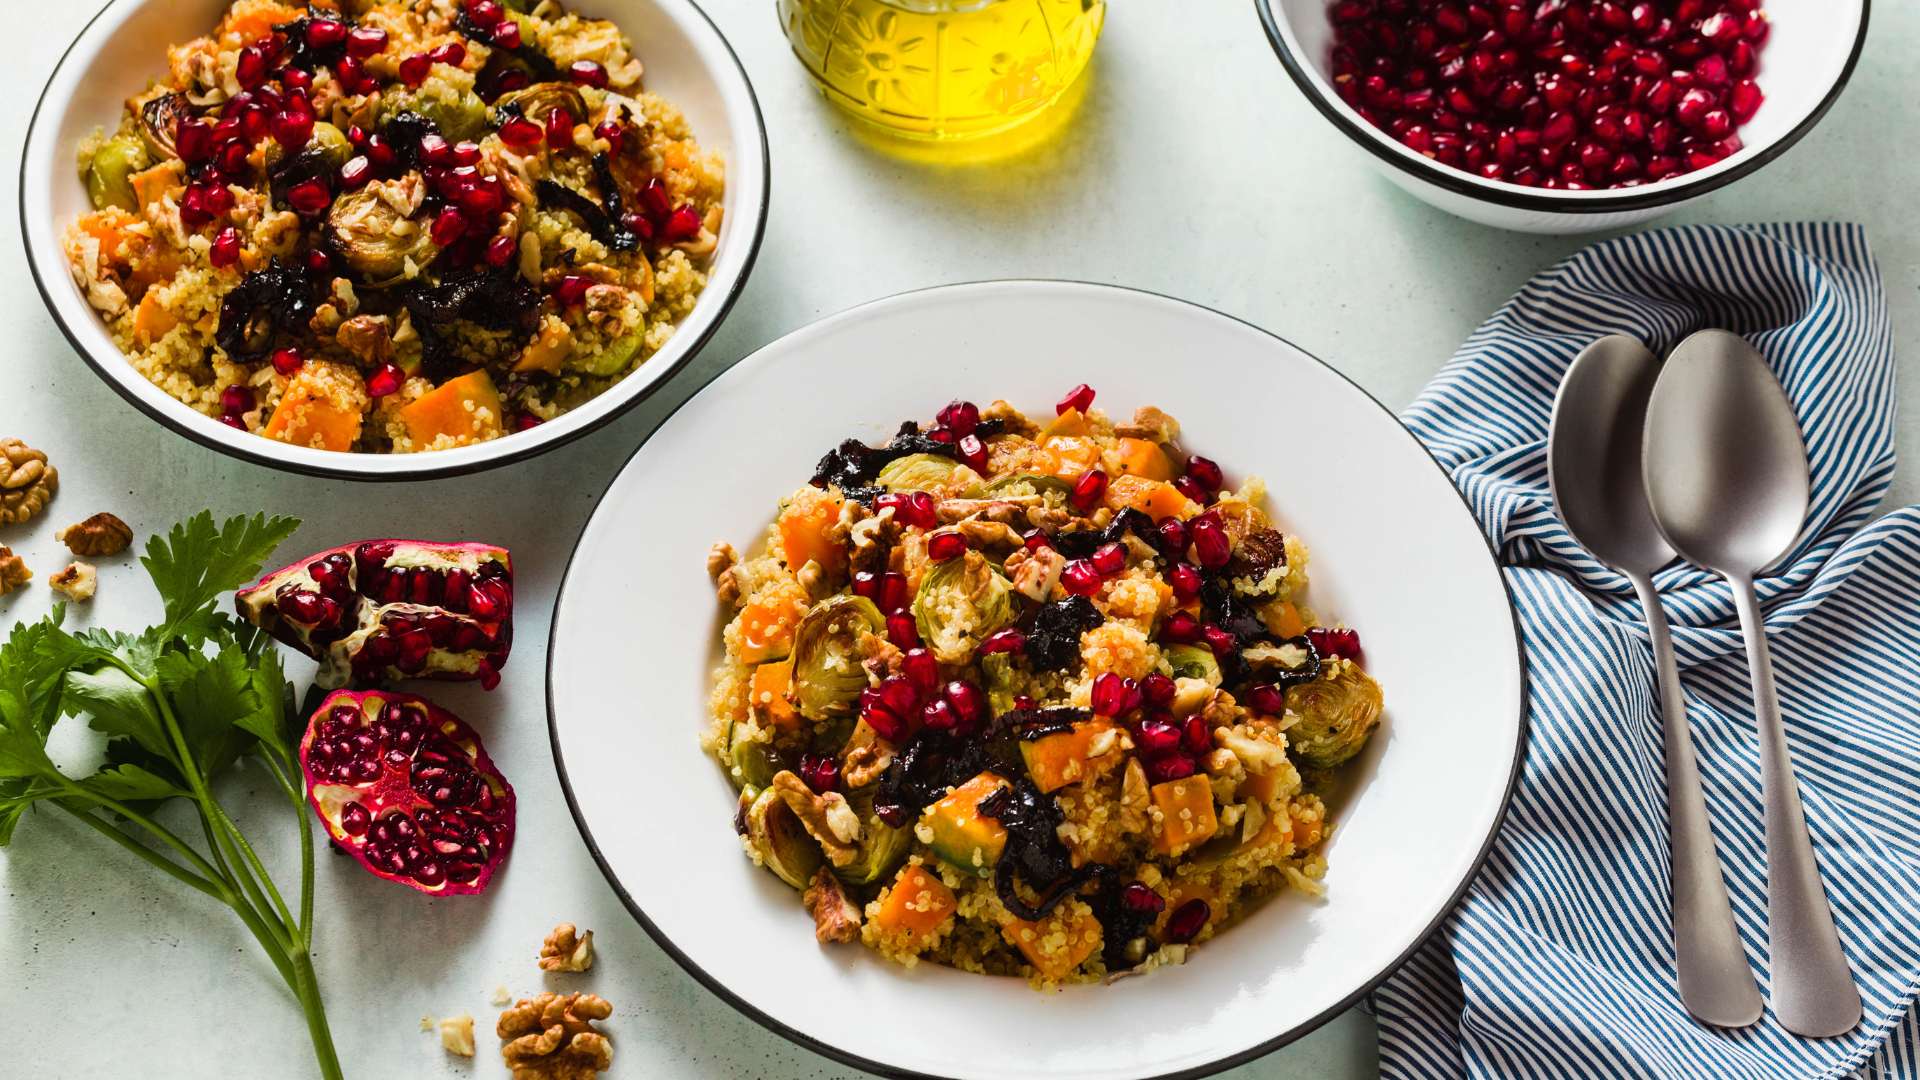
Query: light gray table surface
{"points": [[1192, 168]]}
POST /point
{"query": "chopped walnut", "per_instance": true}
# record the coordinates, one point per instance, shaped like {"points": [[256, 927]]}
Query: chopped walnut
{"points": [[872, 538], [77, 582], [13, 572], [814, 580], [827, 818], [101, 534], [835, 916], [552, 1037], [987, 535], [501, 996], [1035, 573], [1151, 424], [1013, 421], [721, 560], [456, 1035], [567, 949], [865, 758], [368, 337], [26, 482]]}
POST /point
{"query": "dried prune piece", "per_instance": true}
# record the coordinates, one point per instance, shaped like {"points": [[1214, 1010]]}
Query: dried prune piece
{"points": [[275, 300], [1054, 641]]}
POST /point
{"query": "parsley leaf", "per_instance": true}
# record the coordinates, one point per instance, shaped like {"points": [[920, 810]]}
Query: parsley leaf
{"points": [[196, 562], [118, 704]]}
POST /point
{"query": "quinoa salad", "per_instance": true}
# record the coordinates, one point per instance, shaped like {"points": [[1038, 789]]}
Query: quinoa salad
{"points": [[389, 226], [1036, 697]]}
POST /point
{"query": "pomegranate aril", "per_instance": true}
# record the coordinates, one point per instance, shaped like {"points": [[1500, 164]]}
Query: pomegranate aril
{"points": [[521, 133], [1344, 643], [250, 70], [572, 289], [820, 772], [309, 197], [972, 452], [894, 594], [1109, 559], [414, 69], [485, 12], [1212, 548], [1191, 488], [1170, 767], [1180, 628], [1156, 736], [969, 704], [1136, 897], [920, 667], [960, 417], [225, 250], [1196, 735], [447, 227], [365, 41], [681, 225], [1266, 699], [1003, 641], [452, 54], [1219, 639], [901, 630], [1080, 397], [506, 35], [287, 361], [1187, 921], [1115, 695], [1088, 490], [385, 381], [588, 73], [1080, 578]]}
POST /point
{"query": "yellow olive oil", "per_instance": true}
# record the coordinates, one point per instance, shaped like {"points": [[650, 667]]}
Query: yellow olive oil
{"points": [[943, 69]]}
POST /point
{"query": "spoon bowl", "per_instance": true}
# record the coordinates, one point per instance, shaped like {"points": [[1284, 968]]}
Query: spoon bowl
{"points": [[1732, 484]]}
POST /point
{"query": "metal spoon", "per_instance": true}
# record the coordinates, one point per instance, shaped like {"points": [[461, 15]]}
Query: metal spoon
{"points": [[1727, 480], [1593, 465]]}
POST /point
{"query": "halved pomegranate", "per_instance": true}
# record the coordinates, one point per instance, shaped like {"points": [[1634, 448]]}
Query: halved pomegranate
{"points": [[405, 787], [392, 609]]}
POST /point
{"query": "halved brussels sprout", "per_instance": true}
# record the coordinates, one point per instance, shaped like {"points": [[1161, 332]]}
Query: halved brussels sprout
{"points": [[536, 101], [1335, 715], [328, 146], [1006, 486], [996, 672], [916, 472], [160, 120], [1193, 662], [960, 602], [109, 172], [616, 357], [782, 841], [882, 847], [462, 117], [376, 239], [827, 676], [754, 760]]}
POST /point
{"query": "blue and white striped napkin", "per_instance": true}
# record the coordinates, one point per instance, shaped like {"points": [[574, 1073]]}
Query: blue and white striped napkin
{"points": [[1559, 961]]}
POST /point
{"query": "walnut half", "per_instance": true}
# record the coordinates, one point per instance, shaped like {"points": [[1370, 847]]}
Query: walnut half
{"points": [[567, 949], [26, 481], [552, 1037], [101, 534]]}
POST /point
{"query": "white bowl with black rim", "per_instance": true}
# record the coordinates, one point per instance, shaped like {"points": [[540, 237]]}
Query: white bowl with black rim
{"points": [[1804, 66], [123, 48], [1396, 554]]}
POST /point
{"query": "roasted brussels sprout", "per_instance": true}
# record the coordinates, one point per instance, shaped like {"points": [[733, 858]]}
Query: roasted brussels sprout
{"points": [[827, 676], [882, 847], [1193, 662], [376, 239], [754, 760], [109, 172], [959, 602], [997, 672], [463, 116], [1002, 486], [540, 99], [782, 841], [616, 357], [916, 472], [160, 119], [1335, 715], [326, 150]]}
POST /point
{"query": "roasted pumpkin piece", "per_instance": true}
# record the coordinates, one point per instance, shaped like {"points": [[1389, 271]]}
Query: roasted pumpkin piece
{"points": [[1054, 761], [321, 408], [806, 534], [1183, 814], [1058, 943], [766, 629], [916, 907], [767, 694], [1154, 498], [963, 838], [1142, 458], [465, 409]]}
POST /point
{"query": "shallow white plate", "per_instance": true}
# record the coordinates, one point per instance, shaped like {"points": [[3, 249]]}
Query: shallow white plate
{"points": [[124, 48], [1395, 553]]}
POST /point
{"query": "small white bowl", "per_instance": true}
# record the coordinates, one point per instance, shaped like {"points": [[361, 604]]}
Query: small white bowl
{"points": [[1803, 68], [687, 62]]}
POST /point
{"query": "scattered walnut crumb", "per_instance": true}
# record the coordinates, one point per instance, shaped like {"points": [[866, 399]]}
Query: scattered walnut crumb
{"points": [[567, 949], [13, 572], [552, 1037], [101, 534], [501, 996], [456, 1034], [26, 482], [77, 582]]}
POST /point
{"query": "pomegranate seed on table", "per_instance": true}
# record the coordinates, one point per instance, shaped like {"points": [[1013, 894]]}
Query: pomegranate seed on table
{"points": [[1080, 397], [946, 546]]}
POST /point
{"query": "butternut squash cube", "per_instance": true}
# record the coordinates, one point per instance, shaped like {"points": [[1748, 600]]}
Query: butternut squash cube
{"points": [[1184, 815]]}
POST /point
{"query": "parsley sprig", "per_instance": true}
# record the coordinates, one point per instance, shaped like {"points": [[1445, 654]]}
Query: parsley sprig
{"points": [[181, 704]]}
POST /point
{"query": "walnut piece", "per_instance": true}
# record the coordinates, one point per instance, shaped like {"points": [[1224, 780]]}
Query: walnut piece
{"points": [[26, 482], [13, 572], [567, 949], [552, 1037], [101, 534], [721, 559], [77, 582], [456, 1034], [827, 818], [835, 917]]}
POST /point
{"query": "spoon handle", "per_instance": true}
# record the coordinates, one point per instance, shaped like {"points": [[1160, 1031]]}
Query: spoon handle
{"points": [[1716, 985], [1813, 988]]}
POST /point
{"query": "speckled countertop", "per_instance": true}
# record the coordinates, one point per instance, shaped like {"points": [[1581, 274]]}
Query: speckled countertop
{"points": [[1191, 168]]}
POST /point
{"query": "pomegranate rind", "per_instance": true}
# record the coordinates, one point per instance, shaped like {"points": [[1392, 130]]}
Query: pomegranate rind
{"points": [[392, 791], [345, 646]]}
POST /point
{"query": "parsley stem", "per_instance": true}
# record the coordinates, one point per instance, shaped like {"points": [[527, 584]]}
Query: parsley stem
{"points": [[252, 861], [217, 890]]}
